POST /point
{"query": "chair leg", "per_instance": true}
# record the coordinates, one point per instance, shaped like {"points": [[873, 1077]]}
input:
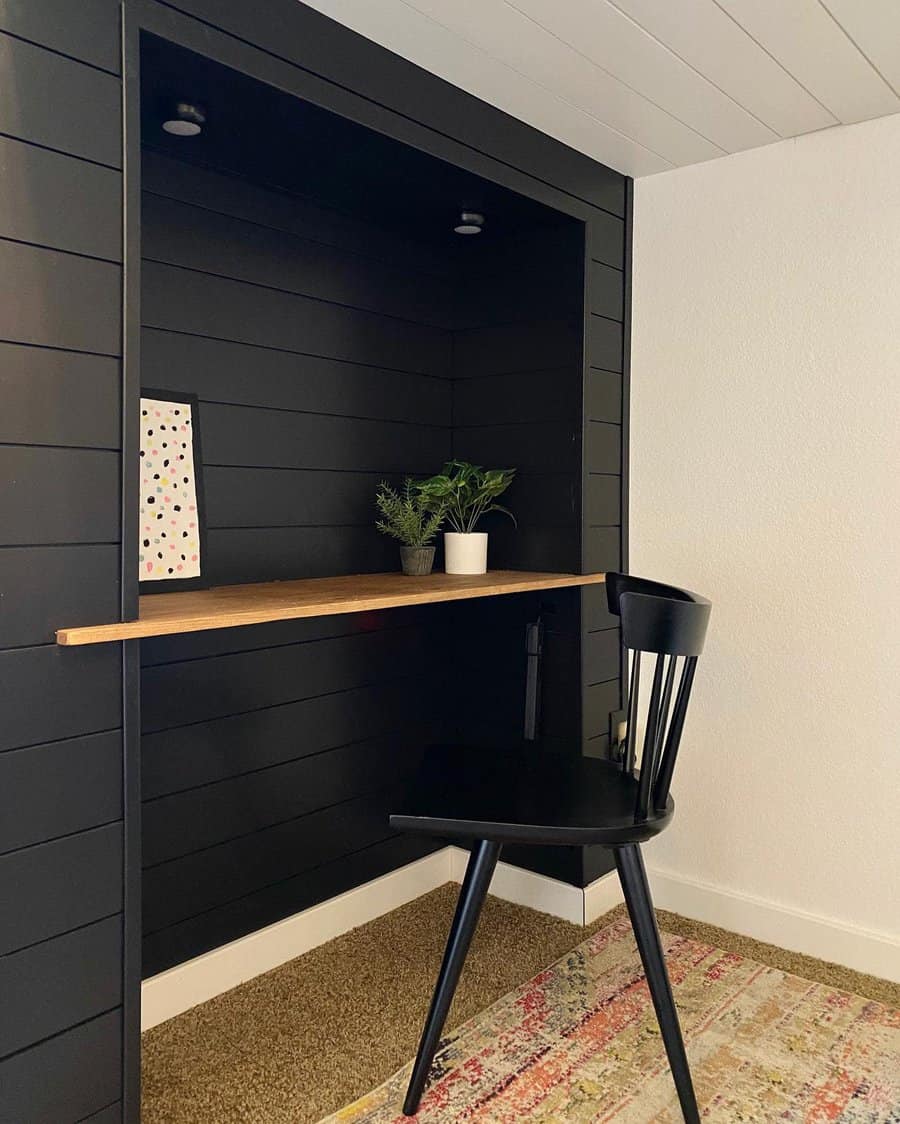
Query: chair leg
{"points": [[471, 898], [633, 877]]}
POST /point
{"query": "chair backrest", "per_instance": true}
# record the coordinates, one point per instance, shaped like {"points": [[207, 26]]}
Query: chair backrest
{"points": [[669, 623]]}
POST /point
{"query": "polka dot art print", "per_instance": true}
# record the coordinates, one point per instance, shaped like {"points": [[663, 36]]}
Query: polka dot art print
{"points": [[170, 519]]}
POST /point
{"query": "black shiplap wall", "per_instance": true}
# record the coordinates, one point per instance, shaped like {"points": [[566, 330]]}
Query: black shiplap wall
{"points": [[322, 366], [604, 460], [602, 545], [517, 402], [517, 396], [60, 738], [60, 214], [517, 368], [270, 755]]}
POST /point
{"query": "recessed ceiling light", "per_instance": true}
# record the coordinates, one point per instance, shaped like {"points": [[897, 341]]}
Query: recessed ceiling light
{"points": [[187, 120], [470, 222]]}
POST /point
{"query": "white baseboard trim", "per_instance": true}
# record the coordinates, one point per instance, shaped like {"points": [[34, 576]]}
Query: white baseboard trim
{"points": [[178, 989], [171, 992], [524, 887], [794, 929], [602, 896]]}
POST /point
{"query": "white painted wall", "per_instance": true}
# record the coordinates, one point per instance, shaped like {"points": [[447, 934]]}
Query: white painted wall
{"points": [[764, 474]]}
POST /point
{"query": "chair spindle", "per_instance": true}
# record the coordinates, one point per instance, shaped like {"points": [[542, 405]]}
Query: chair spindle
{"points": [[651, 737], [631, 729], [673, 739]]}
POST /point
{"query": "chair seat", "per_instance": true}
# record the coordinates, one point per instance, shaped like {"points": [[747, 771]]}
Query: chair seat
{"points": [[524, 796]]}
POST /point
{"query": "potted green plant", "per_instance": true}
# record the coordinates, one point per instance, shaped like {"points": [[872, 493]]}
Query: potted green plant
{"points": [[412, 518], [464, 492]]}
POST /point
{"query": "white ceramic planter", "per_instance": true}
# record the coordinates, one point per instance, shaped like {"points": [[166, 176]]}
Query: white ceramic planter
{"points": [[465, 554]]}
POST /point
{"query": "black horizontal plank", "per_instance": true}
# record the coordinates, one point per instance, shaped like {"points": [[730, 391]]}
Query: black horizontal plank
{"points": [[217, 371], [60, 983], [59, 201], [59, 886], [602, 549], [521, 396], [493, 614], [604, 345], [600, 700], [197, 691], [88, 30], [538, 345], [598, 747], [560, 654], [57, 789], [59, 103], [67, 1078], [268, 904], [603, 447], [58, 397], [600, 656], [83, 683], [546, 288], [43, 588], [185, 822], [284, 553], [603, 395], [602, 500], [553, 249], [314, 42], [197, 238], [181, 300], [561, 608], [606, 289], [214, 751], [552, 548], [58, 495], [280, 210], [59, 300], [559, 717], [560, 711], [112, 1114], [539, 499], [561, 863], [594, 612], [606, 240], [495, 718], [500, 651], [269, 497], [224, 641], [596, 861], [537, 447], [242, 435], [186, 887]]}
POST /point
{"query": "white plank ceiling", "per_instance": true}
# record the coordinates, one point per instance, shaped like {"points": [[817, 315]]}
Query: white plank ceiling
{"points": [[646, 85]]}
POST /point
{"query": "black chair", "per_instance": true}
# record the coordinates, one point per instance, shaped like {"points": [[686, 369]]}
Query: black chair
{"points": [[491, 798]]}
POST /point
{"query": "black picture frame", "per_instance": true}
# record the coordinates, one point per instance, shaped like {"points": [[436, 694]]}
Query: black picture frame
{"points": [[177, 585]]}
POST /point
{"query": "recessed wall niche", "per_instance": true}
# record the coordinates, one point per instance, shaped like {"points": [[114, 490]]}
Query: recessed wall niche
{"points": [[303, 278]]}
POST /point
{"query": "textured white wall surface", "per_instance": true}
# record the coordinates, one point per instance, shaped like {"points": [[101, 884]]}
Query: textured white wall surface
{"points": [[765, 474]]}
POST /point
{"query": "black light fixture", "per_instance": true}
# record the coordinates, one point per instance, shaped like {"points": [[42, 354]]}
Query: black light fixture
{"points": [[470, 222], [187, 120]]}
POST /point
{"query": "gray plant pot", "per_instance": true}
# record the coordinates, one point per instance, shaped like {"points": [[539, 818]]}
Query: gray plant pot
{"points": [[416, 560]]}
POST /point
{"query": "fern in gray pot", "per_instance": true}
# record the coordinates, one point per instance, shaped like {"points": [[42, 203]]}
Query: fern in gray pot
{"points": [[413, 519]]}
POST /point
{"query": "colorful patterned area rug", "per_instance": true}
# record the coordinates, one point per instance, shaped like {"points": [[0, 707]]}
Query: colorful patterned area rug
{"points": [[580, 1043]]}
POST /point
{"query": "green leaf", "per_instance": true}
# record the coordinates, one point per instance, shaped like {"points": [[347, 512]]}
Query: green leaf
{"points": [[466, 491], [408, 515], [505, 510]]}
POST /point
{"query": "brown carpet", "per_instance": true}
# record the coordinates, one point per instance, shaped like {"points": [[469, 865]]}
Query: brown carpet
{"points": [[305, 1039]]}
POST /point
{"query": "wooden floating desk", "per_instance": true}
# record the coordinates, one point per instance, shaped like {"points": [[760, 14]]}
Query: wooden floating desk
{"points": [[228, 606]]}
